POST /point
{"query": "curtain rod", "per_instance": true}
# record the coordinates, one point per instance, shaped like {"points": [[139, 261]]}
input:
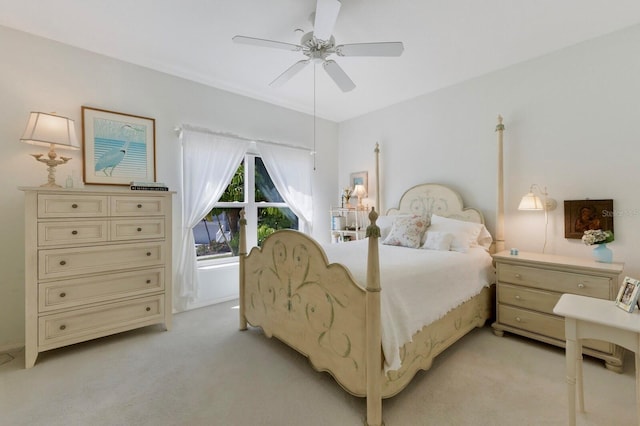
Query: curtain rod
{"points": [[233, 135]]}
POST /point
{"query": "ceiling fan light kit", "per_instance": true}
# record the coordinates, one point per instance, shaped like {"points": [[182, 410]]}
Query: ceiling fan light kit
{"points": [[318, 44]]}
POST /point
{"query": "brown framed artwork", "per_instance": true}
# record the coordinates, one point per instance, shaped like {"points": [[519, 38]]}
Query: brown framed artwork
{"points": [[118, 148], [359, 178], [583, 215]]}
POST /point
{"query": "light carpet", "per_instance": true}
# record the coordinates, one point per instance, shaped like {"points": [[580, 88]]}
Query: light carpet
{"points": [[206, 372]]}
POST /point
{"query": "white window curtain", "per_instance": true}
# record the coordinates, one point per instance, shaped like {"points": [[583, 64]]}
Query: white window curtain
{"points": [[208, 164], [290, 170]]}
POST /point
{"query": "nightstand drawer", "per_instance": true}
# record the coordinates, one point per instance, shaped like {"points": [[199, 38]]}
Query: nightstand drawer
{"points": [[50, 205], [102, 288], [547, 325], [82, 324], [137, 229], [523, 297], [137, 206], [562, 282], [76, 232]]}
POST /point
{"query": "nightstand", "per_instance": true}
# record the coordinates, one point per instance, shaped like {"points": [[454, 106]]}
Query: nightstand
{"points": [[530, 285]]}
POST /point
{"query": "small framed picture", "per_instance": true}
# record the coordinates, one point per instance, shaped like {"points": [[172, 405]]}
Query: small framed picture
{"points": [[628, 294]]}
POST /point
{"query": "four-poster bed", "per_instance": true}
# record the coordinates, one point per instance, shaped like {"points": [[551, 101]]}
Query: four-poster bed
{"points": [[333, 313]]}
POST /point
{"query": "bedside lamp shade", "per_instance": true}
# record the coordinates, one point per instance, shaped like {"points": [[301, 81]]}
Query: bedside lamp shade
{"points": [[359, 192], [53, 131], [531, 202]]}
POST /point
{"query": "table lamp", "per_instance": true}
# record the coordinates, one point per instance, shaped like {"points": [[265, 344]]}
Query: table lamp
{"points": [[359, 192], [53, 131]]}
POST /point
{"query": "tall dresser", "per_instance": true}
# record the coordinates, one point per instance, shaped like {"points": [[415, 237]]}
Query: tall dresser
{"points": [[530, 285], [97, 262]]}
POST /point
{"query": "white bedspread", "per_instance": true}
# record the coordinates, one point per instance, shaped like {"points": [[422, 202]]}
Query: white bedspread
{"points": [[418, 286]]}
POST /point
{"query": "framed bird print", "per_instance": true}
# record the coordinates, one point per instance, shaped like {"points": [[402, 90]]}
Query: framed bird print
{"points": [[118, 148]]}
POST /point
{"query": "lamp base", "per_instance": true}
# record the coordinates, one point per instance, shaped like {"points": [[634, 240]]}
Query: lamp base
{"points": [[51, 163], [50, 185]]}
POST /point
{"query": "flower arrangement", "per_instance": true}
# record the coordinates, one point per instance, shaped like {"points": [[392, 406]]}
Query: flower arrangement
{"points": [[346, 195], [597, 236]]}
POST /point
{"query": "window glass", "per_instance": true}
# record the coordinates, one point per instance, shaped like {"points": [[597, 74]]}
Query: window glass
{"points": [[271, 219], [265, 189]]}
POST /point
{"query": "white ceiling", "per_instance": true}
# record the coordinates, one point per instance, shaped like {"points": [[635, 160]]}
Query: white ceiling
{"points": [[446, 41]]}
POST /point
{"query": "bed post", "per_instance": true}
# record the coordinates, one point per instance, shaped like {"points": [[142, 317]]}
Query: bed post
{"points": [[377, 151], [242, 254], [500, 213], [373, 322]]}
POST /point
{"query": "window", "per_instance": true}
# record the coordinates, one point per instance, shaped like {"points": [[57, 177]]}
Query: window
{"points": [[251, 188]]}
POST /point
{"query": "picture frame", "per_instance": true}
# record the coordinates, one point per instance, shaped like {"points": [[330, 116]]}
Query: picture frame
{"points": [[118, 148], [582, 215], [359, 178], [628, 294]]}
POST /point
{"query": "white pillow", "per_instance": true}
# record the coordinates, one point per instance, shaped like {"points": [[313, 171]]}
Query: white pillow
{"points": [[437, 241], [485, 239], [407, 231], [465, 234]]}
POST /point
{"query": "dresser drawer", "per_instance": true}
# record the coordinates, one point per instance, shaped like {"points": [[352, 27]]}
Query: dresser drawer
{"points": [[137, 206], [547, 325], [83, 324], [76, 232], [58, 205], [562, 282], [80, 291], [137, 229], [523, 297], [62, 263]]}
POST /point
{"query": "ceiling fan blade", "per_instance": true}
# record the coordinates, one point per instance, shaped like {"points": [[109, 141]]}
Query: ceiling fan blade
{"points": [[393, 48], [339, 76], [325, 20], [266, 43], [290, 72]]}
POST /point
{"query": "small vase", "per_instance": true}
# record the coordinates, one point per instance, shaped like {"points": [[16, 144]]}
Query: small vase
{"points": [[602, 253]]}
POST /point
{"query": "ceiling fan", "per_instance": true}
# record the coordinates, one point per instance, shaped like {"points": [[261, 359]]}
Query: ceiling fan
{"points": [[318, 44]]}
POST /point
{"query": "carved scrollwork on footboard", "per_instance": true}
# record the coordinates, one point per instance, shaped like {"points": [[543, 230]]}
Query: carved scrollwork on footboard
{"points": [[295, 295]]}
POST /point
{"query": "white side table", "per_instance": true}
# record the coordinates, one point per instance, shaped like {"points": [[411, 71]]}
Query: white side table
{"points": [[590, 318]]}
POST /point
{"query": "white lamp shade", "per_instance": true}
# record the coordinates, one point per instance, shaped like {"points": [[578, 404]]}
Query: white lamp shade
{"points": [[531, 202], [46, 129], [359, 191]]}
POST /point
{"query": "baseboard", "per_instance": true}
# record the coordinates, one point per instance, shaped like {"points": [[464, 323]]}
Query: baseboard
{"points": [[210, 302], [11, 347]]}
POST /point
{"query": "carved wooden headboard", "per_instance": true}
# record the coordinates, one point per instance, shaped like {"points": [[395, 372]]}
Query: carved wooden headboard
{"points": [[429, 198]]}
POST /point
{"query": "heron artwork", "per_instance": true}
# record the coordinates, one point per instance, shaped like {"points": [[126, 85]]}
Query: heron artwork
{"points": [[110, 159]]}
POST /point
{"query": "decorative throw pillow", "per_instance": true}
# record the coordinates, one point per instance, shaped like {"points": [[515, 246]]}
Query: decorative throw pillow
{"points": [[438, 241], [465, 234], [407, 231]]}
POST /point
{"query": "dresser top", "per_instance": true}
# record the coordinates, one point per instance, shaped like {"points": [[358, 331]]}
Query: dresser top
{"points": [[533, 259], [94, 189]]}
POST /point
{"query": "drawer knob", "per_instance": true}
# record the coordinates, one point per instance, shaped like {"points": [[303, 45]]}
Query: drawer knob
{"points": [[518, 276], [139, 206], [63, 327], [62, 262], [148, 309], [580, 285], [148, 253], [74, 206], [518, 319], [63, 294], [517, 297], [74, 232], [148, 281], [139, 229]]}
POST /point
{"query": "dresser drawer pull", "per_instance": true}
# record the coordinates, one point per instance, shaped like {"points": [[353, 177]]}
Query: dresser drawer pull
{"points": [[63, 294], [139, 206], [148, 281], [518, 276], [74, 206], [74, 232], [63, 327], [518, 297], [518, 319], [148, 253], [580, 285], [148, 309], [63, 262], [139, 229]]}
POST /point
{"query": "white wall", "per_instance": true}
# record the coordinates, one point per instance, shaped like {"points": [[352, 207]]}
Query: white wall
{"points": [[572, 124], [42, 75]]}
